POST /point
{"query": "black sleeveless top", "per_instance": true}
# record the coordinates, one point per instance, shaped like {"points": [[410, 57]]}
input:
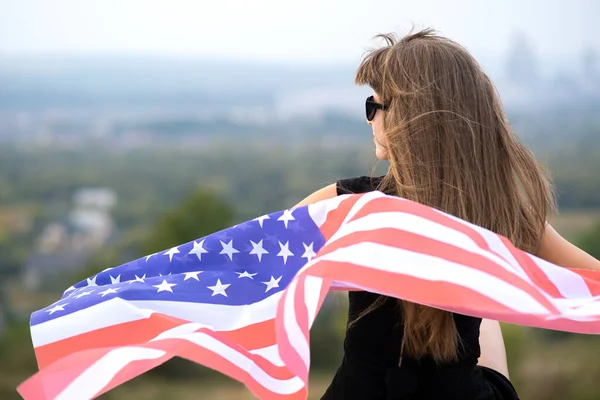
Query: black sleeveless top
{"points": [[370, 371]]}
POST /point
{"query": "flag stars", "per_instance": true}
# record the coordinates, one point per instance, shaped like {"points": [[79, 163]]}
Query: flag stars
{"points": [[285, 251], [245, 274], [219, 288], [109, 291], [191, 275], [56, 308], [115, 280], [286, 217], [80, 295], [92, 281], [70, 289], [273, 283], [165, 287], [258, 249], [171, 253], [262, 219], [198, 249], [309, 253], [138, 279], [228, 249]]}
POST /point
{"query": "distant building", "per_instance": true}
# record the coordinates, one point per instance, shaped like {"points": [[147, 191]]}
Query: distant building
{"points": [[97, 198], [65, 246]]}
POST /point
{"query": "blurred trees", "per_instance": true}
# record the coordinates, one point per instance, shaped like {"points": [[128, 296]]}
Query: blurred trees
{"points": [[201, 213], [590, 242]]}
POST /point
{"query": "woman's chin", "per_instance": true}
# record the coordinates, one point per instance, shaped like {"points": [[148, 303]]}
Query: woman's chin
{"points": [[381, 154]]}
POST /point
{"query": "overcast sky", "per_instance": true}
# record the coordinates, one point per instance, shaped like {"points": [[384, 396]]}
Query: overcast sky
{"points": [[310, 30]]}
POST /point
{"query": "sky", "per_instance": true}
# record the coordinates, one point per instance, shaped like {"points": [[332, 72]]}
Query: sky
{"points": [[322, 31]]}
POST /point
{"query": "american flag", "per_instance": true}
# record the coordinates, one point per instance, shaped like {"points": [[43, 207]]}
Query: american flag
{"points": [[242, 300]]}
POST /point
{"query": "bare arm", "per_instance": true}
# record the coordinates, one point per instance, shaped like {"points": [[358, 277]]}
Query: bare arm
{"points": [[324, 193]]}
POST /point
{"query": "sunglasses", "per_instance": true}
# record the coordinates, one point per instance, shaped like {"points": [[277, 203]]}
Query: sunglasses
{"points": [[371, 107]]}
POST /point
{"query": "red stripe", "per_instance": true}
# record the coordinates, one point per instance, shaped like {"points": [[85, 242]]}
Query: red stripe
{"points": [[287, 352], [391, 204], [441, 294], [56, 377], [335, 217], [535, 273], [591, 277], [131, 333], [431, 247], [300, 308], [388, 204]]}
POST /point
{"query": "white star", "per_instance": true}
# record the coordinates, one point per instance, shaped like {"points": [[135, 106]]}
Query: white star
{"points": [[198, 250], [257, 248], [261, 219], [245, 274], [169, 274], [285, 251], [138, 279], [273, 283], [165, 287], [286, 217], [150, 255], [115, 280], [228, 249], [69, 290], [80, 295], [92, 281], [192, 275], [309, 253], [58, 307], [171, 253], [108, 291], [219, 288]]}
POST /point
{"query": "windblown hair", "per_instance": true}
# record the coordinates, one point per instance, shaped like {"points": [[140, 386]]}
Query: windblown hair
{"points": [[451, 147]]}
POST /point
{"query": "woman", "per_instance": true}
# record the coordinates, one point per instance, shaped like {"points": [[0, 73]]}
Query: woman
{"points": [[436, 117]]}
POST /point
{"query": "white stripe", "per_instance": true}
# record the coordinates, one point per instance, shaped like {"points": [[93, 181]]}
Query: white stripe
{"points": [[318, 211], [399, 261], [271, 353], [423, 227], [290, 323], [99, 374], [568, 283], [117, 311], [360, 203], [312, 294], [496, 245], [279, 386]]}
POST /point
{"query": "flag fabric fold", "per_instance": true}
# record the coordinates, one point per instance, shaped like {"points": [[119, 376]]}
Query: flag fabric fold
{"points": [[242, 300]]}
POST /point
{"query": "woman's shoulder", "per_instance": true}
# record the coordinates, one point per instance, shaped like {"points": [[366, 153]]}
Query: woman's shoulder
{"points": [[358, 184]]}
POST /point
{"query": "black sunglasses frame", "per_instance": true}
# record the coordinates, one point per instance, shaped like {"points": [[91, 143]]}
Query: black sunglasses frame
{"points": [[371, 107]]}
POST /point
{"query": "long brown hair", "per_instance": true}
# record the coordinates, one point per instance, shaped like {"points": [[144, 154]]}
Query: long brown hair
{"points": [[451, 147]]}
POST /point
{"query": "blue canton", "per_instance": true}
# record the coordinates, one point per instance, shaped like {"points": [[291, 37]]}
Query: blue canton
{"points": [[237, 266]]}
